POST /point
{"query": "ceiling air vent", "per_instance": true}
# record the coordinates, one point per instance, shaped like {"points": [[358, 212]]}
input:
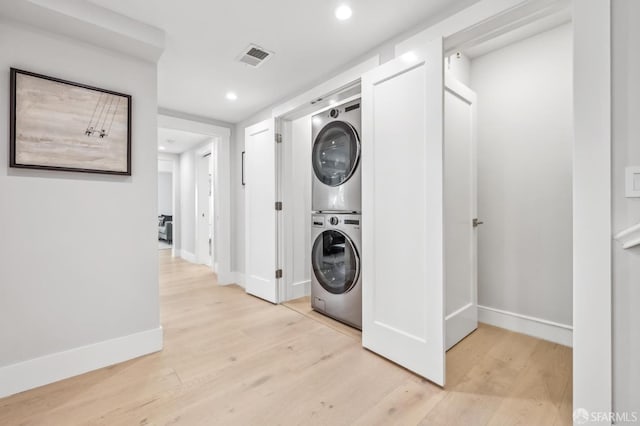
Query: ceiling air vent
{"points": [[254, 56]]}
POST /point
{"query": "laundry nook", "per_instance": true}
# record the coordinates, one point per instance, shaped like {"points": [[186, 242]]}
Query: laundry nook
{"points": [[324, 213]]}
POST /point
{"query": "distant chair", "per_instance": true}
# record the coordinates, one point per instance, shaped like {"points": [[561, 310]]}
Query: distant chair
{"points": [[165, 228]]}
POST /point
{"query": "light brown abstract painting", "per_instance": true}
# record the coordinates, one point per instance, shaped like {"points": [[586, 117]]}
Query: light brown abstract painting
{"points": [[60, 125]]}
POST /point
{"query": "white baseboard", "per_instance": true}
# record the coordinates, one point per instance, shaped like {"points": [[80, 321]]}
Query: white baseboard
{"points": [[51, 368], [300, 289], [188, 256], [460, 324], [226, 278], [238, 278], [536, 327]]}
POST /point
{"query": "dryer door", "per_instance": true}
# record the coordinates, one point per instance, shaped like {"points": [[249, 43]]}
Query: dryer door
{"points": [[336, 152], [335, 262]]}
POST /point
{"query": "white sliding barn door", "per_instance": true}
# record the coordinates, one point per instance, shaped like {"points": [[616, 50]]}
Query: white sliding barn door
{"points": [[402, 212], [260, 213]]}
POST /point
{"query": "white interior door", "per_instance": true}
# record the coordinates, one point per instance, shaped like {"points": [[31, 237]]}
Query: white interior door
{"points": [[212, 209], [402, 212], [296, 185], [203, 209], [222, 209], [460, 207], [260, 213]]}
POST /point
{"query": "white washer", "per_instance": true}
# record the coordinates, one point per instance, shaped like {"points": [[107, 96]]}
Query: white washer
{"points": [[336, 283], [336, 159]]}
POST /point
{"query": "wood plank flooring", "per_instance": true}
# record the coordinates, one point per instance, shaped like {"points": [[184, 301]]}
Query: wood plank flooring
{"points": [[303, 306], [232, 359]]}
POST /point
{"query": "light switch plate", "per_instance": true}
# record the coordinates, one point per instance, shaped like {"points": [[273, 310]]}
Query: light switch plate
{"points": [[633, 182]]}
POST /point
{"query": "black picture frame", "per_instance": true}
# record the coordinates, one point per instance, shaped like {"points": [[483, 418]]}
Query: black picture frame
{"points": [[243, 182], [111, 104]]}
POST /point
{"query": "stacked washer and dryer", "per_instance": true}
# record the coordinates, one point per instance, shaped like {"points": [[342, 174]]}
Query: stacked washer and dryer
{"points": [[336, 285]]}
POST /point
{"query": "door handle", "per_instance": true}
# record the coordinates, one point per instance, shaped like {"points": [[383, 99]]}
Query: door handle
{"points": [[477, 223]]}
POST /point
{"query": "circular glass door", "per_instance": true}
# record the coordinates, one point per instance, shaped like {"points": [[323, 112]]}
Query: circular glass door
{"points": [[335, 262], [335, 153]]}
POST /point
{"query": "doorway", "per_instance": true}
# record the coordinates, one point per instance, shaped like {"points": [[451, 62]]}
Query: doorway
{"points": [[508, 208], [522, 160], [165, 204], [201, 174]]}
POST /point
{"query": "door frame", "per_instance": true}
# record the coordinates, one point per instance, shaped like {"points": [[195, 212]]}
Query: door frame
{"points": [[592, 218], [291, 289], [342, 88], [222, 168], [592, 240]]}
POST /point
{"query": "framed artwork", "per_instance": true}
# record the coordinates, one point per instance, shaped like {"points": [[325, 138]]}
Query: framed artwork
{"points": [[61, 125], [243, 183]]}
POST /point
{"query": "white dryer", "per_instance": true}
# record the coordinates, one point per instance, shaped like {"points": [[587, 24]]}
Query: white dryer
{"points": [[336, 159], [336, 283]]}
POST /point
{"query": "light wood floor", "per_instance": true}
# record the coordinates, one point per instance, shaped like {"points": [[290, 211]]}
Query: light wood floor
{"points": [[303, 306], [232, 359]]}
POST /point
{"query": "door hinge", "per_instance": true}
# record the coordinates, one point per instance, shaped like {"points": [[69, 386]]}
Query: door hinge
{"points": [[278, 205], [278, 137], [278, 273]]}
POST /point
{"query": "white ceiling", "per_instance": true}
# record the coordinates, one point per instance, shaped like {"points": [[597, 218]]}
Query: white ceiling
{"points": [[178, 141], [204, 37]]}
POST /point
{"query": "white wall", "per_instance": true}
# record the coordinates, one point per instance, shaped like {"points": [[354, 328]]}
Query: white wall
{"points": [[525, 176], [165, 193], [166, 162], [460, 67], [626, 211], [78, 259]]}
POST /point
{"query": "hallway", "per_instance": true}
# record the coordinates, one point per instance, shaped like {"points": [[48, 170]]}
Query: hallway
{"points": [[230, 358]]}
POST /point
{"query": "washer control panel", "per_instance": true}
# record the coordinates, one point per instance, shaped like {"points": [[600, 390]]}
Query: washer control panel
{"points": [[317, 221], [334, 220]]}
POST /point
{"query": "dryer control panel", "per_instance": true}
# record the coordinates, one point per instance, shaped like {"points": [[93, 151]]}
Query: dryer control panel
{"points": [[317, 221]]}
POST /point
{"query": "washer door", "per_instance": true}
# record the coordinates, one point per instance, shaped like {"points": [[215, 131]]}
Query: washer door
{"points": [[336, 153], [335, 262]]}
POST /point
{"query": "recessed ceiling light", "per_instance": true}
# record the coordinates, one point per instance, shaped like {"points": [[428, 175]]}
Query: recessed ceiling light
{"points": [[343, 12], [162, 148], [231, 96]]}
